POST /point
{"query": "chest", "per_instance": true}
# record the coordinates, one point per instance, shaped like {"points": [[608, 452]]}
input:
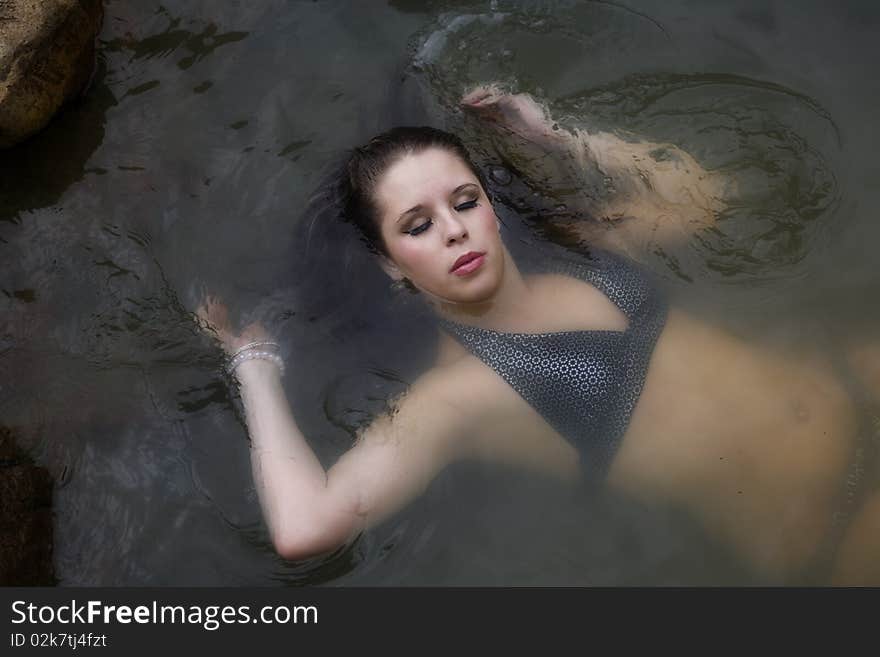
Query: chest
{"points": [[505, 428], [545, 390], [561, 304]]}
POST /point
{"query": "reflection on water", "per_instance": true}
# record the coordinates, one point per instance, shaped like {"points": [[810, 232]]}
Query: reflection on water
{"points": [[190, 165]]}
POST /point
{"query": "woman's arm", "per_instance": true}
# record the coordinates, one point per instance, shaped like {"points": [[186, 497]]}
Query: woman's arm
{"points": [[310, 511], [303, 519], [652, 194]]}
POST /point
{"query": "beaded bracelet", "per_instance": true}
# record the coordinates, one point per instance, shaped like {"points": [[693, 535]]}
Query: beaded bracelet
{"points": [[254, 354], [256, 343]]}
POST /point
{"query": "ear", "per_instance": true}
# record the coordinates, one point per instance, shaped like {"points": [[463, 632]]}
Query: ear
{"points": [[390, 268]]}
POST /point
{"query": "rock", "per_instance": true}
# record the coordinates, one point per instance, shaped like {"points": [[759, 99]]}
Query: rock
{"points": [[47, 54], [25, 518]]}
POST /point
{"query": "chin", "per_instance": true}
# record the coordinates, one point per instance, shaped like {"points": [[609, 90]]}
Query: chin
{"points": [[478, 289], [481, 292], [469, 299]]}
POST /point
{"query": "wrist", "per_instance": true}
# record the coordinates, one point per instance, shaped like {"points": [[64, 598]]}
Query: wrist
{"points": [[255, 370], [241, 346], [264, 350]]}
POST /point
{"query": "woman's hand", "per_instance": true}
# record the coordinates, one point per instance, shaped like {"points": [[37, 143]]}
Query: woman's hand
{"points": [[519, 113], [213, 317], [304, 515]]}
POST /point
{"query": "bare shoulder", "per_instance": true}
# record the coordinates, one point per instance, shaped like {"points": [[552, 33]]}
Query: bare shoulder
{"points": [[397, 456], [501, 426], [460, 386], [440, 411], [460, 411]]}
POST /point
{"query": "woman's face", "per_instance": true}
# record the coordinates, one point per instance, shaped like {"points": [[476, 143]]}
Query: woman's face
{"points": [[439, 228]]}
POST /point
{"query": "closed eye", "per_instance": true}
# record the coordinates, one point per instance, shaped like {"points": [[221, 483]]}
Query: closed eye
{"points": [[421, 228]]}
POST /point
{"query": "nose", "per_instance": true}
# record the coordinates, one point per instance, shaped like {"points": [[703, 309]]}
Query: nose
{"points": [[455, 229]]}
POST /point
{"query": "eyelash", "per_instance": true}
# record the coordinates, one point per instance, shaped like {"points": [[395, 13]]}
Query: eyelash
{"points": [[421, 228]]}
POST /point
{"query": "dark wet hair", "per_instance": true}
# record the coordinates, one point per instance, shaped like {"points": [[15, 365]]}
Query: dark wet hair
{"points": [[367, 163]]}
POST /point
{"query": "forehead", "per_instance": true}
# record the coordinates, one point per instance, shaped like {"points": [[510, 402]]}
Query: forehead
{"points": [[417, 178]]}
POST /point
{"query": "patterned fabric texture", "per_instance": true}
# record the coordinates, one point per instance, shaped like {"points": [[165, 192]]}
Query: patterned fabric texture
{"points": [[584, 383]]}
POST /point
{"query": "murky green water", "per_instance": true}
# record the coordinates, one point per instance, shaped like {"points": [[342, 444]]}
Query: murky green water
{"points": [[190, 165]]}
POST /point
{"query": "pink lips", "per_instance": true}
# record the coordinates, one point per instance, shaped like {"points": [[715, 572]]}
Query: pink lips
{"points": [[468, 263]]}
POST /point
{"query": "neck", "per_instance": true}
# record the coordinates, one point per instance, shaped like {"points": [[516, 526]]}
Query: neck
{"points": [[500, 312]]}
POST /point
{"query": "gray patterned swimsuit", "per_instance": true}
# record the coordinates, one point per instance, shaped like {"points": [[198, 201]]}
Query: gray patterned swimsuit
{"points": [[584, 383]]}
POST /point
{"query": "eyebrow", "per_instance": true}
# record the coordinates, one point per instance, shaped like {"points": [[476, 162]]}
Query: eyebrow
{"points": [[419, 208]]}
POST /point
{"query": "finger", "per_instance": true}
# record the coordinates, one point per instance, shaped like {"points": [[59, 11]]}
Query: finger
{"points": [[203, 312], [478, 96]]}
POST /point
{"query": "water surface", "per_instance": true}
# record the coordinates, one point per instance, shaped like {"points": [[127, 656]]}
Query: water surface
{"points": [[192, 161]]}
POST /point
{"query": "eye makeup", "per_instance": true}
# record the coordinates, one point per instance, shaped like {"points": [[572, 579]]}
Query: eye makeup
{"points": [[422, 227]]}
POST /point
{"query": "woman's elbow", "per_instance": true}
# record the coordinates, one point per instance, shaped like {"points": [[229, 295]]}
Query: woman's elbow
{"points": [[305, 543], [297, 549]]}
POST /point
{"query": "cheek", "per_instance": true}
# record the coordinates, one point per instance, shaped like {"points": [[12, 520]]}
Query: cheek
{"points": [[412, 256], [418, 258], [487, 219]]}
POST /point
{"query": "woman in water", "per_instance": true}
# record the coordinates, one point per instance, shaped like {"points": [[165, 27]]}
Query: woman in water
{"points": [[577, 371]]}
